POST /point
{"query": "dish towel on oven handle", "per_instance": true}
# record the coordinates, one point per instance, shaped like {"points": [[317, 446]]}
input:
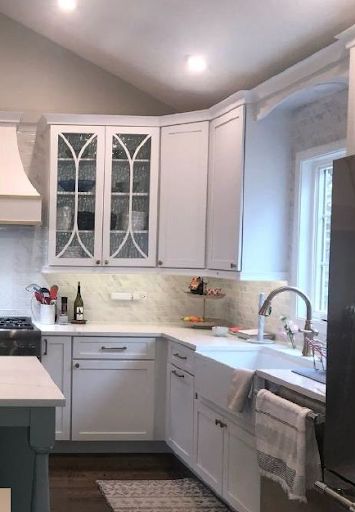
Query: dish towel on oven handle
{"points": [[286, 444]]}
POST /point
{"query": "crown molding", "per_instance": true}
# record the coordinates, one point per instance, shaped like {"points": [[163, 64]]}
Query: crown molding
{"points": [[347, 37]]}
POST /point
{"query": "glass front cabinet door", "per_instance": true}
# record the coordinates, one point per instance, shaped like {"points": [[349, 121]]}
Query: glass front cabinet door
{"points": [[130, 197], [76, 195]]}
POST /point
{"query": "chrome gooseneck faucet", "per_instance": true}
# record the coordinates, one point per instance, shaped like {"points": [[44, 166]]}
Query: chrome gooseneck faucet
{"points": [[308, 330]]}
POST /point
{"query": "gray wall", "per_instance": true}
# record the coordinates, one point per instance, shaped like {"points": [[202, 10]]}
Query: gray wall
{"points": [[37, 75]]}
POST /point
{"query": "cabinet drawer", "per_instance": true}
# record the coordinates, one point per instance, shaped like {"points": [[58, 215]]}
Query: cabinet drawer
{"points": [[182, 357], [101, 347]]}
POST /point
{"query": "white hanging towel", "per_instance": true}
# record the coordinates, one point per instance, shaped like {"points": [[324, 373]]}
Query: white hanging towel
{"points": [[286, 444], [239, 390]]}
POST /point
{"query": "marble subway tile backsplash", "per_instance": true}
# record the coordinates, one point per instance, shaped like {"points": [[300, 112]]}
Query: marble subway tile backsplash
{"points": [[23, 250]]}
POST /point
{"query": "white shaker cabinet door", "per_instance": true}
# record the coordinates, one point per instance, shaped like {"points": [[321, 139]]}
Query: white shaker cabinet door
{"points": [[56, 359], [208, 444], [183, 196], [113, 400], [180, 413], [241, 478], [225, 185]]}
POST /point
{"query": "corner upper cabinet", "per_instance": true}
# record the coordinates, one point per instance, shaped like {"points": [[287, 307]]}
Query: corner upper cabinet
{"points": [[76, 188], [131, 196], [183, 195], [225, 185]]}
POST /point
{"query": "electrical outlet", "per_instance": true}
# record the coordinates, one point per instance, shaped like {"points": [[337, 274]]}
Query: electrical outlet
{"points": [[140, 295]]}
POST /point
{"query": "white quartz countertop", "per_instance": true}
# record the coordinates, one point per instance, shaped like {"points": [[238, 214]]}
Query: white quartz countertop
{"points": [[25, 383], [192, 338], [290, 380], [198, 340]]}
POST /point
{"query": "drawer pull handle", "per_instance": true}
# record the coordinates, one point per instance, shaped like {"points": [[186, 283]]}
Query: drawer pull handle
{"points": [[45, 352], [114, 348], [180, 357], [220, 423], [180, 375]]}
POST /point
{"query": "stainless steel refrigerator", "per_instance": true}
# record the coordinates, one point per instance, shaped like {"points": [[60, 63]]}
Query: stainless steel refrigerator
{"points": [[339, 442]]}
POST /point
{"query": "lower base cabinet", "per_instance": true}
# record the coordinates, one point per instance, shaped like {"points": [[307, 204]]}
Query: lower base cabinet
{"points": [[208, 441], [241, 477], [225, 458], [56, 359], [112, 400], [180, 412]]}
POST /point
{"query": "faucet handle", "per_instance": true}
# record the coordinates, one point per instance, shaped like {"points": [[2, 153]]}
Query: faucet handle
{"points": [[312, 332]]}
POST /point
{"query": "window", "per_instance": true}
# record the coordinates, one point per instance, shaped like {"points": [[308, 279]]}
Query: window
{"points": [[314, 171], [323, 202]]}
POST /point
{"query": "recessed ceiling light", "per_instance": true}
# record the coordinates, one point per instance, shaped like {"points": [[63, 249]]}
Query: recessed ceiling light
{"points": [[67, 5], [196, 63]]}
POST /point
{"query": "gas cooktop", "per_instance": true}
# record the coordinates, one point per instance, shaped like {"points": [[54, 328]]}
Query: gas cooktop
{"points": [[19, 337], [16, 322]]}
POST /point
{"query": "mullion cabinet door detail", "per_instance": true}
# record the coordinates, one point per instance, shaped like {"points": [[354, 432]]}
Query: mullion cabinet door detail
{"points": [[131, 196], [77, 161]]}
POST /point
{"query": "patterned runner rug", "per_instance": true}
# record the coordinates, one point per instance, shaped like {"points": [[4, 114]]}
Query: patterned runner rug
{"points": [[183, 495]]}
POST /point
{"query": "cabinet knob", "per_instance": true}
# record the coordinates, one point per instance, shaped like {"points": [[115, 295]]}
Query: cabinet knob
{"points": [[160, 262], [233, 265], [106, 262], [98, 262], [77, 365]]}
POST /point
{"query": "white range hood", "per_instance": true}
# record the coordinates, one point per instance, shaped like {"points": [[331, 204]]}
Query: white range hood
{"points": [[20, 203]]}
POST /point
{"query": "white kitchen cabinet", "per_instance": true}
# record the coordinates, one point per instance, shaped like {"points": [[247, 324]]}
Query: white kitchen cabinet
{"points": [[77, 155], [183, 195], [56, 359], [226, 459], [241, 477], [113, 347], [103, 195], [225, 185], [208, 446], [131, 196], [112, 400], [180, 412]]}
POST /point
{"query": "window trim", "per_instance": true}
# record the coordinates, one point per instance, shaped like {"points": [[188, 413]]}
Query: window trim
{"points": [[303, 248]]}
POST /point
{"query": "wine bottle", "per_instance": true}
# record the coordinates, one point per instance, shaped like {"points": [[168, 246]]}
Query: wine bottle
{"points": [[78, 306]]}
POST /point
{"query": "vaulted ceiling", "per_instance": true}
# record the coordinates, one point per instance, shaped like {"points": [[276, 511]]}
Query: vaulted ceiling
{"points": [[146, 42]]}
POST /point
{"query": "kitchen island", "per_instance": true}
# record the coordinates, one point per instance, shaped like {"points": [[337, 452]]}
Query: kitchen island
{"points": [[28, 398]]}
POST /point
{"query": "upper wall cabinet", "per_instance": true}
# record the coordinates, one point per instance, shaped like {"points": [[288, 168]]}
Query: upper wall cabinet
{"points": [[183, 195], [76, 191], [225, 185], [230, 174], [131, 196], [103, 196]]}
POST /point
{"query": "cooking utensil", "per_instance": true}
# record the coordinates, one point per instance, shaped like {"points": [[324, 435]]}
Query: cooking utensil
{"points": [[45, 295], [39, 297], [53, 292], [33, 287]]}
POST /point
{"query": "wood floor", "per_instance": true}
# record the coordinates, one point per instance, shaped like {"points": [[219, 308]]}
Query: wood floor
{"points": [[72, 477]]}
